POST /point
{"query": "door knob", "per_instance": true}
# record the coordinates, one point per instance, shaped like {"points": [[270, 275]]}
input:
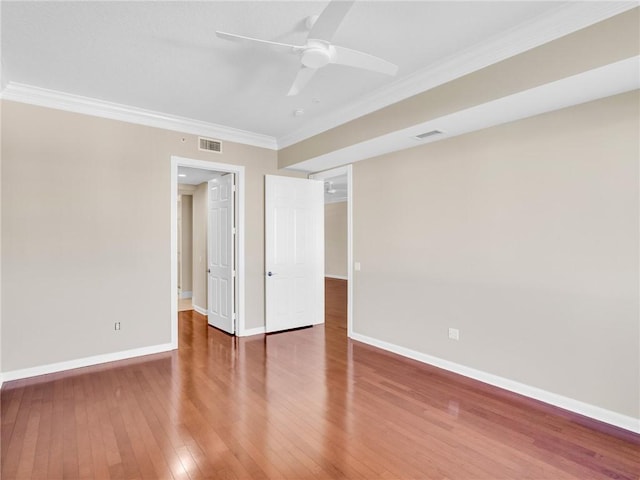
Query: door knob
{"points": [[270, 274]]}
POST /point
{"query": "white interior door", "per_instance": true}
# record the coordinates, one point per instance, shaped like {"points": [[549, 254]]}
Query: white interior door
{"points": [[221, 259], [294, 259]]}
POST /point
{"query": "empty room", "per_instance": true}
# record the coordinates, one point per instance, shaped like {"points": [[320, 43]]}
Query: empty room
{"points": [[320, 239]]}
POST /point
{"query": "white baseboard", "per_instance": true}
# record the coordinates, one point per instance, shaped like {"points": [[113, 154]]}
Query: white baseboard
{"points": [[85, 362], [252, 331], [200, 310], [338, 277], [576, 406], [186, 294]]}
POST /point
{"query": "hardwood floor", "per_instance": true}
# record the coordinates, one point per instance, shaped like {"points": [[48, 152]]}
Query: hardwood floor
{"points": [[302, 404]]}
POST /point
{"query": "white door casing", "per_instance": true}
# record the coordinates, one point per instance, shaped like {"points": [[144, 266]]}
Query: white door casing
{"points": [[179, 245], [294, 252], [220, 253], [239, 172], [327, 175]]}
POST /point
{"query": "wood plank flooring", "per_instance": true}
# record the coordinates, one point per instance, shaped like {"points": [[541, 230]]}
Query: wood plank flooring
{"points": [[305, 404]]}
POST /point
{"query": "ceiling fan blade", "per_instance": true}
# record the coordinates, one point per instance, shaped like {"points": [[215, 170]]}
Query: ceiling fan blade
{"points": [[354, 58], [267, 43], [330, 19], [303, 77]]}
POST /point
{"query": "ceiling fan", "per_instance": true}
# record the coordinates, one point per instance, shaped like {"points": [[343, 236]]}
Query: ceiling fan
{"points": [[318, 50]]}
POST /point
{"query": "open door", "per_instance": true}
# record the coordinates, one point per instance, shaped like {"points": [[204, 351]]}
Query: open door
{"points": [[294, 252], [220, 226]]}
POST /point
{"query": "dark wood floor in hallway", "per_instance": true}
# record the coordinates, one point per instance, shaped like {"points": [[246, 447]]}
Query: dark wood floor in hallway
{"points": [[302, 404]]}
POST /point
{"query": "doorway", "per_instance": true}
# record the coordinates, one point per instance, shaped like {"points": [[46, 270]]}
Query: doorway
{"points": [[204, 175], [338, 243], [185, 246]]}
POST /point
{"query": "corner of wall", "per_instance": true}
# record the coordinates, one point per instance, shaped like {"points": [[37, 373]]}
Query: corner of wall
{"points": [[85, 362], [581, 408]]}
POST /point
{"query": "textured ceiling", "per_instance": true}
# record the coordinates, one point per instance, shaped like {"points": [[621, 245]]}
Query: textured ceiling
{"points": [[164, 56]]}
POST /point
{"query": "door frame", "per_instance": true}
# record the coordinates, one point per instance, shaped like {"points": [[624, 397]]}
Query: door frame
{"points": [[238, 170], [326, 174], [179, 243]]}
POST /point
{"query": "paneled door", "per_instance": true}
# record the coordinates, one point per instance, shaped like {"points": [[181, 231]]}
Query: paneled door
{"points": [[294, 252], [220, 249]]}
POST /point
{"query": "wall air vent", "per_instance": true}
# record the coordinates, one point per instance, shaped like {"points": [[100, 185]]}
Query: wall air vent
{"points": [[209, 145], [424, 135]]}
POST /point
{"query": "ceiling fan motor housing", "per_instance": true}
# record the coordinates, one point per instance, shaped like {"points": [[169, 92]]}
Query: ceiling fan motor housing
{"points": [[318, 51], [317, 54]]}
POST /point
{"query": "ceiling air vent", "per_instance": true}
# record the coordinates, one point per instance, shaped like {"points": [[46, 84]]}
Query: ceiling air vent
{"points": [[422, 136], [209, 145]]}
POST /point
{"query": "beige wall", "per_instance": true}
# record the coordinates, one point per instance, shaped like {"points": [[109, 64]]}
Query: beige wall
{"points": [[335, 239], [522, 236], [615, 39], [187, 242], [200, 246], [86, 233]]}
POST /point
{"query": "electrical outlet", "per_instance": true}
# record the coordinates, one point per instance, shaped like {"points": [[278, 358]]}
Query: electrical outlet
{"points": [[454, 334], [117, 326]]}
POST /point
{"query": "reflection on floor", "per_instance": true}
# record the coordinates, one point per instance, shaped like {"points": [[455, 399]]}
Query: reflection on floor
{"points": [[335, 303], [304, 404]]}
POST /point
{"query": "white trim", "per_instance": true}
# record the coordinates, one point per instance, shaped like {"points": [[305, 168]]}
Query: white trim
{"points": [[186, 294], [19, 92], [561, 21], [337, 277], [174, 254], [566, 403], [334, 172], [85, 362], [350, 260], [607, 80], [253, 331], [177, 161], [538, 31], [200, 310]]}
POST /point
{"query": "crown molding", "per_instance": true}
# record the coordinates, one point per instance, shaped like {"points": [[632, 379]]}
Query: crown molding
{"points": [[18, 92], [538, 31], [605, 81], [545, 28]]}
